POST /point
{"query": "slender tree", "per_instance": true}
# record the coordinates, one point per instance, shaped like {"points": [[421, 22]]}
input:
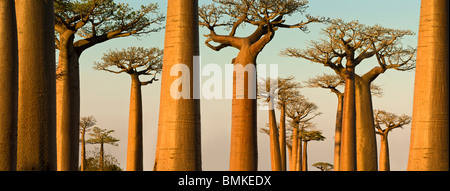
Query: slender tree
{"points": [[36, 147], [352, 43], [80, 25], [136, 62], [429, 148], [308, 136], [85, 125], [179, 143], [301, 112], [102, 136], [8, 86], [390, 122], [267, 17]]}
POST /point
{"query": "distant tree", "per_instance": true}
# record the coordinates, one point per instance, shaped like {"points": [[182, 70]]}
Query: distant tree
{"points": [[93, 162], [80, 25], [101, 136], [85, 125], [323, 166], [385, 122], [345, 46], [306, 137], [135, 61]]}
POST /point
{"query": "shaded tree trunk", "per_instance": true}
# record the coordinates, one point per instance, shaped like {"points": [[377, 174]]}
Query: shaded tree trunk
{"points": [[179, 142], [366, 145], [282, 134], [429, 150], [83, 150], [274, 145], [135, 149], [102, 157], [68, 104], [384, 153], [337, 134], [348, 140], [36, 146], [8, 86], [244, 151], [305, 156]]}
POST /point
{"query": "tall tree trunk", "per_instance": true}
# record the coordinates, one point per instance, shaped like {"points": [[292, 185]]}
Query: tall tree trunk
{"points": [[305, 156], [337, 133], [429, 150], [67, 105], [36, 123], [299, 161], [274, 145], [348, 140], [243, 150], [294, 151], [83, 150], [179, 141], [366, 145], [135, 150], [384, 153], [282, 135], [102, 158], [8, 86]]}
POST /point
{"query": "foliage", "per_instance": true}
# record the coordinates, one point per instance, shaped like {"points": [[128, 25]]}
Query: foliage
{"points": [[323, 166], [389, 121], [93, 162], [100, 136]]}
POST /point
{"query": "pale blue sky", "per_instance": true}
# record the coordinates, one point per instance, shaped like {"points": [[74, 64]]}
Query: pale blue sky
{"points": [[106, 95]]}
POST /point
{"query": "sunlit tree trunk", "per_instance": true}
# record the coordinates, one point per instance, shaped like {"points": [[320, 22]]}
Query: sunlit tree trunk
{"points": [[366, 145], [179, 142], [68, 108], [384, 153], [299, 165], [305, 156], [348, 138], [282, 138], [244, 151], [8, 86], [83, 150], [294, 152], [36, 132], [135, 149], [274, 145], [337, 133], [429, 150]]}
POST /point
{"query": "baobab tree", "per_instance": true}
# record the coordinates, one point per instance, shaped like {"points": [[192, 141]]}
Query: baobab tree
{"points": [[81, 25], [301, 112], [136, 62], [308, 136], [333, 82], [352, 43], [385, 122], [86, 123], [8, 86], [267, 17], [429, 150], [102, 136], [36, 123], [178, 147]]}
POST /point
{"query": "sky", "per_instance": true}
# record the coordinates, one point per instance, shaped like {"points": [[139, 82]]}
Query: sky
{"points": [[106, 95]]}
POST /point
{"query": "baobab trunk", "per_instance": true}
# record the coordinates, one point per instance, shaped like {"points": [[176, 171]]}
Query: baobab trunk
{"points": [[36, 123], [429, 148], [299, 161], [384, 153], [366, 145], [243, 150], [348, 140], [305, 156], [274, 145], [294, 152], [67, 105], [282, 134], [179, 142], [135, 150], [8, 86], [337, 133], [83, 151]]}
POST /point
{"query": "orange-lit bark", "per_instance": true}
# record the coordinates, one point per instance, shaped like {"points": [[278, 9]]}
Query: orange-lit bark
{"points": [[135, 148], [348, 138]]}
